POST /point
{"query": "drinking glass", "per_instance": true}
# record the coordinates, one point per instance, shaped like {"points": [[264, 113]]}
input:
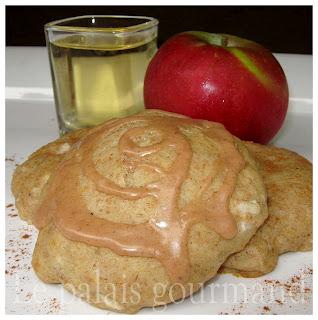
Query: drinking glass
{"points": [[98, 64]]}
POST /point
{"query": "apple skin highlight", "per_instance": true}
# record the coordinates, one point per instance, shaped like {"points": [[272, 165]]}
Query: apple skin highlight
{"points": [[220, 78]]}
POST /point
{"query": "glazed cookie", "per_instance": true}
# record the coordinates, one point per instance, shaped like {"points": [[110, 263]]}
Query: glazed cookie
{"points": [[142, 210], [288, 181]]}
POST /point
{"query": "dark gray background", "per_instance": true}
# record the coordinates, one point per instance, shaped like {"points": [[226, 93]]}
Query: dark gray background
{"points": [[279, 28]]}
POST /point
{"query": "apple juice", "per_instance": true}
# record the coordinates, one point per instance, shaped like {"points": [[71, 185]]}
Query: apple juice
{"points": [[95, 81]]}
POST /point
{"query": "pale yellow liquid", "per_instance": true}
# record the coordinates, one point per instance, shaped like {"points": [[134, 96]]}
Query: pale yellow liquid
{"points": [[95, 81]]}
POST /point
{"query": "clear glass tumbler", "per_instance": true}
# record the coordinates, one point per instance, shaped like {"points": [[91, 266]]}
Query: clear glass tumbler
{"points": [[98, 64]]}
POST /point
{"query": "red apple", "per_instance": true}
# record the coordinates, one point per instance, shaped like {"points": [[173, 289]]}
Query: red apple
{"points": [[221, 78]]}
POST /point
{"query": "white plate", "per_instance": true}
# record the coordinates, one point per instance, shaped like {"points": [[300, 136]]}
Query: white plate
{"points": [[31, 122]]}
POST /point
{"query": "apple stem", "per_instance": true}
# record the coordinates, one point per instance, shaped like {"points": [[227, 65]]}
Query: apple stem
{"points": [[224, 41], [212, 38]]}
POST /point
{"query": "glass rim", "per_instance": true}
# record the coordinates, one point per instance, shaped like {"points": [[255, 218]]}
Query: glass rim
{"points": [[54, 25]]}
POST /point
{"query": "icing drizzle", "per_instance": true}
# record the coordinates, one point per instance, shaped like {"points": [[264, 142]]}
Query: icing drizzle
{"points": [[165, 235]]}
